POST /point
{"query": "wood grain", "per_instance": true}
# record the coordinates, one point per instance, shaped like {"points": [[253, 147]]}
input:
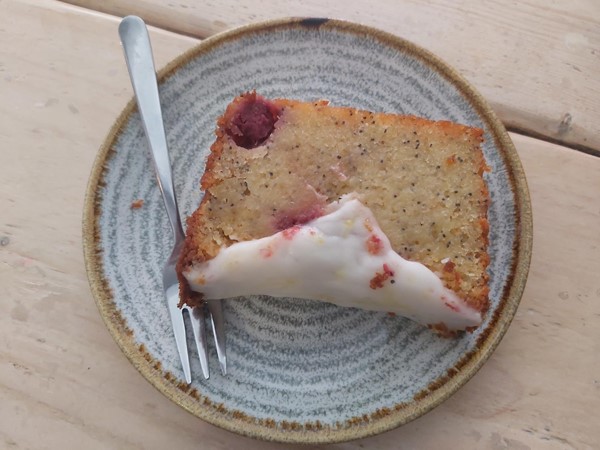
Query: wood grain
{"points": [[64, 384], [537, 62]]}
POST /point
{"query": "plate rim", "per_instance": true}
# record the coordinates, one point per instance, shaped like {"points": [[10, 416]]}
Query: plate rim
{"points": [[379, 421]]}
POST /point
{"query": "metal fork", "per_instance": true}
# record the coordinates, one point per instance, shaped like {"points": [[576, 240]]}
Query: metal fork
{"points": [[140, 63]]}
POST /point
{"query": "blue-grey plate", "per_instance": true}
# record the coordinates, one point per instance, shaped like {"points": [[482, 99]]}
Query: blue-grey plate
{"points": [[299, 371]]}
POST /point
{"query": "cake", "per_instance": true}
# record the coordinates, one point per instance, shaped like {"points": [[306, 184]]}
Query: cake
{"points": [[283, 173]]}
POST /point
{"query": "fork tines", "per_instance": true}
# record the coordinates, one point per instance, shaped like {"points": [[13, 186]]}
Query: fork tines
{"points": [[197, 317]]}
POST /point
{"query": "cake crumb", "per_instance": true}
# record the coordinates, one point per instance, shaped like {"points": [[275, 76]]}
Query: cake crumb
{"points": [[137, 204]]}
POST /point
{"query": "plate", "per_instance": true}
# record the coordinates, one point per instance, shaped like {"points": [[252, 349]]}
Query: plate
{"points": [[299, 371]]}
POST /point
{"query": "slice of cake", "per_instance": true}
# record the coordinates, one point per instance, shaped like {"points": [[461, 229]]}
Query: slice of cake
{"points": [[371, 210]]}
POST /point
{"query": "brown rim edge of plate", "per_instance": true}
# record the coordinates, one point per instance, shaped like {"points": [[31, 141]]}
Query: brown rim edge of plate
{"points": [[379, 421]]}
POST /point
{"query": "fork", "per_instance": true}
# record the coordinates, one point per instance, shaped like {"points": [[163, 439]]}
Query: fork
{"points": [[140, 63]]}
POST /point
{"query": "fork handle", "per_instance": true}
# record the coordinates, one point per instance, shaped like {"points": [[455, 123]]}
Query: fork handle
{"points": [[140, 63]]}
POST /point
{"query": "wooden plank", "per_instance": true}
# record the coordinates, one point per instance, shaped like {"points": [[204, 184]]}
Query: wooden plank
{"points": [[65, 384], [63, 80], [537, 62]]}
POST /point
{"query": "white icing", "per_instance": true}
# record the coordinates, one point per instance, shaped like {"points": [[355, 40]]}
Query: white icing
{"points": [[328, 259]]}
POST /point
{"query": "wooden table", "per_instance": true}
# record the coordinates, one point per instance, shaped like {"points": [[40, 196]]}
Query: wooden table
{"points": [[64, 384]]}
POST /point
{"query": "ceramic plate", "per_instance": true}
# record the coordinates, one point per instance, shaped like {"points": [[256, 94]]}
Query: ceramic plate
{"points": [[299, 371]]}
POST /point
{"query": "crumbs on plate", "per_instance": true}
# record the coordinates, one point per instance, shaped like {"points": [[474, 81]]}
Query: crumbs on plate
{"points": [[137, 204]]}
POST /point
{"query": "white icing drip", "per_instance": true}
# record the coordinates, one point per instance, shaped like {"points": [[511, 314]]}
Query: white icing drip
{"points": [[329, 259]]}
